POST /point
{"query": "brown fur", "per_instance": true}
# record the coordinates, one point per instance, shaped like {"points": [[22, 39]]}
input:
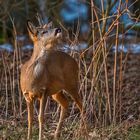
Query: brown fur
{"points": [[47, 73]]}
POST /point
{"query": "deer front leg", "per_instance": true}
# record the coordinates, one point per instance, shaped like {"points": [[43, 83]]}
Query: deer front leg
{"points": [[30, 119], [41, 114]]}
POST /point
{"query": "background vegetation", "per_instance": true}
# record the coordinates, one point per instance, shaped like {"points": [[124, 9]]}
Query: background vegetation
{"points": [[109, 66]]}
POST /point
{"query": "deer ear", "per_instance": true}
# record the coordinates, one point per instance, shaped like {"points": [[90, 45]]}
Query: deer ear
{"points": [[50, 24], [39, 18], [31, 29], [47, 26]]}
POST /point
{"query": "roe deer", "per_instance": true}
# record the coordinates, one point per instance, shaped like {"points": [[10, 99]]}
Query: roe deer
{"points": [[47, 73]]}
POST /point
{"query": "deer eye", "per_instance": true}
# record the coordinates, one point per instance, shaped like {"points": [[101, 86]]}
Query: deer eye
{"points": [[43, 32]]}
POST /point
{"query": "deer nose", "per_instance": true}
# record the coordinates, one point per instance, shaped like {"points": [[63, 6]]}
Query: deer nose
{"points": [[58, 30]]}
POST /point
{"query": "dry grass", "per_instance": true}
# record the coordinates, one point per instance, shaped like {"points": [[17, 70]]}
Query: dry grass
{"points": [[109, 86]]}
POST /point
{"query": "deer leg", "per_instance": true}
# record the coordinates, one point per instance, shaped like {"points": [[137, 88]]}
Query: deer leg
{"points": [[41, 114], [78, 101], [62, 100], [30, 119]]}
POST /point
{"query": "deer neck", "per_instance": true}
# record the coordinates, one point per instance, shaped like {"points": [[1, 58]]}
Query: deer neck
{"points": [[38, 49], [38, 52]]}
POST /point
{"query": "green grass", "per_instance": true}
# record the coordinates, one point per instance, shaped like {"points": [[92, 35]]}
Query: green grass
{"points": [[134, 133]]}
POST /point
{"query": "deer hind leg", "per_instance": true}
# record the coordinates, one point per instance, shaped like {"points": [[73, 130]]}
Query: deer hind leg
{"points": [[41, 114], [62, 100], [30, 119], [75, 96]]}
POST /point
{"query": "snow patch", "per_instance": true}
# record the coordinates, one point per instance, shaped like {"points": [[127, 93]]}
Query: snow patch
{"points": [[27, 47], [7, 47]]}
